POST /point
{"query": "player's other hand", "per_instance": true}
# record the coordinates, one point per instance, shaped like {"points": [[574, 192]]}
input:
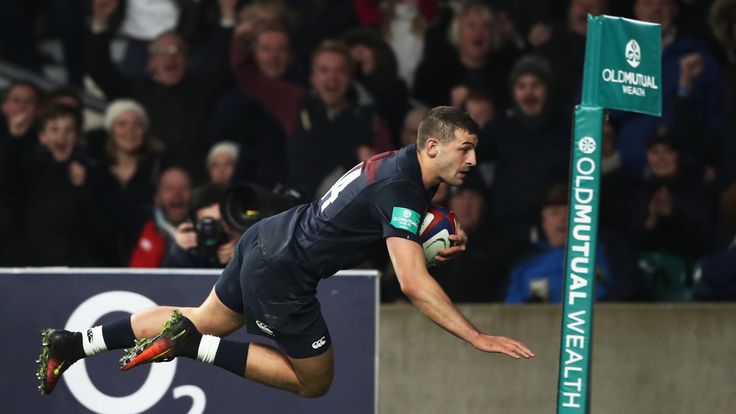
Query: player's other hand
{"points": [[459, 241], [503, 345]]}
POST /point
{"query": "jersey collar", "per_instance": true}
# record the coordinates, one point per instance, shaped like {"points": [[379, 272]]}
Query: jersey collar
{"points": [[409, 166]]}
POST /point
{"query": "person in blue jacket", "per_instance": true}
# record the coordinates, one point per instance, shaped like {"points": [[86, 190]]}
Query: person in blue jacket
{"points": [[540, 277]]}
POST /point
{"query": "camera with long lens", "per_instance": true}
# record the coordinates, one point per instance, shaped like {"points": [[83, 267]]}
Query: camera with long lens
{"points": [[245, 204], [210, 235], [241, 206]]}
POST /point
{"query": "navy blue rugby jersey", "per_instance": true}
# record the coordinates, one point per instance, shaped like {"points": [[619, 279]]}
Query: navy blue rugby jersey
{"points": [[381, 197]]}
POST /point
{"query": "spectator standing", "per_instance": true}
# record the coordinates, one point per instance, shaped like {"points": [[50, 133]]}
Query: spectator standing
{"points": [[176, 101], [471, 62], [689, 73], [17, 142], [129, 171], [222, 160], [259, 62], [564, 46], [205, 241], [480, 275], [334, 128], [171, 202], [672, 207], [403, 24], [63, 224], [376, 78], [529, 147], [540, 278]]}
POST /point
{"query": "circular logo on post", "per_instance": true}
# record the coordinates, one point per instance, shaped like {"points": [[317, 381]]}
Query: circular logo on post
{"points": [[586, 145], [633, 53]]}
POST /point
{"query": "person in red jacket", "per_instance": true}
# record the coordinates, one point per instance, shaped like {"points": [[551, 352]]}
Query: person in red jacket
{"points": [[172, 203], [259, 60]]}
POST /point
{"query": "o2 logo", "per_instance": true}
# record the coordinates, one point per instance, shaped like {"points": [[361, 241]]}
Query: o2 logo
{"points": [[159, 378]]}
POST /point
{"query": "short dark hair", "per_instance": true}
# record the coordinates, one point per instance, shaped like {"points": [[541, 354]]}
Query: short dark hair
{"points": [[65, 92], [205, 196], [55, 111], [663, 138], [442, 122]]}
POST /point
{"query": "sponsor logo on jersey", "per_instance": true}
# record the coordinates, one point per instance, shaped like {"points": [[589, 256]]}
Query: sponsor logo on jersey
{"points": [[265, 328], [319, 343], [90, 335], [405, 219]]}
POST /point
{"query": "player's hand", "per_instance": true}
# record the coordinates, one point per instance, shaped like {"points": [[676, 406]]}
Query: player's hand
{"points": [[459, 242], [502, 345], [185, 236]]}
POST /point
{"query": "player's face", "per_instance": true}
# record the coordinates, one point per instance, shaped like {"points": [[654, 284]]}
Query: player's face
{"points": [[168, 61], [59, 135], [128, 131], [455, 158], [272, 53]]}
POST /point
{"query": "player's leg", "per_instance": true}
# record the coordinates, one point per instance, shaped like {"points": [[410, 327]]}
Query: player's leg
{"points": [[304, 365], [62, 348], [307, 377], [212, 317]]}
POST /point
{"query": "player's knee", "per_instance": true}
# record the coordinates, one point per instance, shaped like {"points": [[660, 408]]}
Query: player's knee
{"points": [[316, 389]]}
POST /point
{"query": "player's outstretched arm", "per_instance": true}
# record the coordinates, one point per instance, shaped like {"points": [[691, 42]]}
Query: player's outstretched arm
{"points": [[421, 288]]}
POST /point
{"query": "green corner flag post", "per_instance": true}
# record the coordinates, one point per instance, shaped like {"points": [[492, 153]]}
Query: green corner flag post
{"points": [[622, 71]]}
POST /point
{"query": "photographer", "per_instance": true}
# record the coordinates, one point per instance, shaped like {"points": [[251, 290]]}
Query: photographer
{"points": [[205, 241]]}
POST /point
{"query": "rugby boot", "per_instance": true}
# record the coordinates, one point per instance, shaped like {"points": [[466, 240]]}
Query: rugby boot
{"points": [[179, 337], [60, 349]]}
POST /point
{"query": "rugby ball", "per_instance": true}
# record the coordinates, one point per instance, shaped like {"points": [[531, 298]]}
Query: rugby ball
{"points": [[437, 226]]}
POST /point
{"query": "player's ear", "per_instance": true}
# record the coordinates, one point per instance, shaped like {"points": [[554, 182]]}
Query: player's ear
{"points": [[432, 146]]}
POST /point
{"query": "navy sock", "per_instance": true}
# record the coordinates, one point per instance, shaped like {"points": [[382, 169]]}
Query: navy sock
{"points": [[119, 334], [231, 355]]}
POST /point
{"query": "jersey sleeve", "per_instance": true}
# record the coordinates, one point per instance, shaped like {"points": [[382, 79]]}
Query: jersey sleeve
{"points": [[399, 208]]}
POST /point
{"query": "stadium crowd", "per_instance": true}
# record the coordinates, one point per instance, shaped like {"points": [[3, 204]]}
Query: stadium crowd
{"points": [[294, 93]]}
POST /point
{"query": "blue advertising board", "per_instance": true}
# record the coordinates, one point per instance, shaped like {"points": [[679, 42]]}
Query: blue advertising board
{"points": [[33, 299]]}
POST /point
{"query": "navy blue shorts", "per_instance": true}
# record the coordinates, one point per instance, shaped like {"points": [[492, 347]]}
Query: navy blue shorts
{"points": [[269, 289]]}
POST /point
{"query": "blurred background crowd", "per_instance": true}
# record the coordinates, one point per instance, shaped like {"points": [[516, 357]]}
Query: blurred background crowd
{"points": [[288, 95]]}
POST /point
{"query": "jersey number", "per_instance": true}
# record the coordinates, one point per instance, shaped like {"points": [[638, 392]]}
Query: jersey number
{"points": [[340, 185]]}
